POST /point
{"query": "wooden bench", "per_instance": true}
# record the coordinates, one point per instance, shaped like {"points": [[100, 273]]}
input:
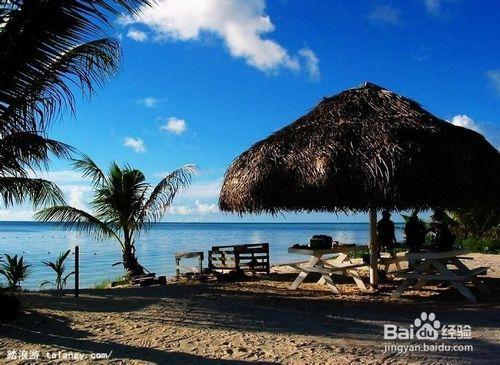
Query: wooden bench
{"points": [[339, 269], [252, 258], [187, 255], [432, 266], [455, 275]]}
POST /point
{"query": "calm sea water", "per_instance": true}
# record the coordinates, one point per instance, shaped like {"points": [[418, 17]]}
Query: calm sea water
{"points": [[39, 242]]}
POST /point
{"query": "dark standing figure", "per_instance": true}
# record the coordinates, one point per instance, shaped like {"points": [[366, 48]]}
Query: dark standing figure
{"points": [[415, 232], [386, 233], [443, 238]]}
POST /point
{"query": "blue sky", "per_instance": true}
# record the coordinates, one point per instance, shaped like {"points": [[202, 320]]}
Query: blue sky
{"points": [[203, 80]]}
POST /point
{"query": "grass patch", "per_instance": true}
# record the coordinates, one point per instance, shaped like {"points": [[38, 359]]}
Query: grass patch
{"points": [[105, 284]]}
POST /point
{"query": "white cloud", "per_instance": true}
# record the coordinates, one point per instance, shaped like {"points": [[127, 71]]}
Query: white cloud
{"points": [[465, 121], [202, 208], [180, 209], [175, 126], [494, 77], [198, 209], [136, 144], [137, 35], [16, 215], [148, 102], [311, 63], [76, 197], [241, 24], [384, 14]]}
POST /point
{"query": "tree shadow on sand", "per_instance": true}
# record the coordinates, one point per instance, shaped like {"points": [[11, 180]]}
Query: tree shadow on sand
{"points": [[261, 307], [73, 343]]}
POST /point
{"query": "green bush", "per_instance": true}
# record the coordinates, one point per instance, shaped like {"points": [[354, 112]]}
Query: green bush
{"points": [[15, 271], [481, 246]]}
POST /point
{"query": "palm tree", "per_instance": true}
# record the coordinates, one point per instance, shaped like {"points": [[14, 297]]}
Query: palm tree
{"points": [[48, 50], [123, 205]]}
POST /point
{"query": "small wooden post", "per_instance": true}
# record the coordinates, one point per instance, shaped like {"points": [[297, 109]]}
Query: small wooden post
{"points": [[200, 263], [373, 249], [77, 271], [177, 267]]}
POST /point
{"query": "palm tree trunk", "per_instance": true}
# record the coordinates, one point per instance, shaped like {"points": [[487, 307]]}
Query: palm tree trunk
{"points": [[130, 262]]}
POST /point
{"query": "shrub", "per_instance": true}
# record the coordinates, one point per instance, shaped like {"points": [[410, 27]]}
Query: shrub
{"points": [[59, 268], [15, 270]]}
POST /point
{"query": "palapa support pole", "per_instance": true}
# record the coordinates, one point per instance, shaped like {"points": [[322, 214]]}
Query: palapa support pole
{"points": [[374, 252], [77, 271]]}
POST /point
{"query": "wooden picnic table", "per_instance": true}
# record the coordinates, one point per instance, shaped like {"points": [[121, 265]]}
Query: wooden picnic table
{"points": [[340, 265], [433, 266]]}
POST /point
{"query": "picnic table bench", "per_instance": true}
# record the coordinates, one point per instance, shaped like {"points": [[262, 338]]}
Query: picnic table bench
{"points": [[433, 266], [340, 265]]}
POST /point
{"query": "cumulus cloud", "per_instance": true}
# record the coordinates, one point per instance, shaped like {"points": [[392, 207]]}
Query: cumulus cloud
{"points": [[311, 62], [136, 144], [137, 35], [202, 208], [148, 102], [241, 24], [76, 197], [465, 121], [384, 14], [180, 209], [175, 126], [199, 208], [494, 77]]}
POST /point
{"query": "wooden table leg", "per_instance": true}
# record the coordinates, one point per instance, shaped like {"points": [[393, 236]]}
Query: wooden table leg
{"points": [[300, 278], [357, 279], [457, 284], [407, 282], [474, 280], [402, 288], [329, 282], [338, 260]]}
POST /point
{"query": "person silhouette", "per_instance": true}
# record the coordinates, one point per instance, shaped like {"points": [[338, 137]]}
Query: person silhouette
{"points": [[386, 232], [443, 238], [415, 232]]}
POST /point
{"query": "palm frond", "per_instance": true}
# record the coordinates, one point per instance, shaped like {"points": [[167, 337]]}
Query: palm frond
{"points": [[163, 194], [39, 192], [89, 169], [37, 53], [87, 65], [75, 219], [22, 150]]}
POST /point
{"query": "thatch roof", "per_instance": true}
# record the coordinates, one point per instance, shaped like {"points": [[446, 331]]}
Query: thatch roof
{"points": [[364, 148]]}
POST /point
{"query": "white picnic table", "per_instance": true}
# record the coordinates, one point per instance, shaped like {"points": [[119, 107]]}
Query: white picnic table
{"points": [[433, 266], [340, 265]]}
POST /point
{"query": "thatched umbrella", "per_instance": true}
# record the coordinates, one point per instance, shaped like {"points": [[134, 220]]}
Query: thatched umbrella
{"points": [[364, 149]]}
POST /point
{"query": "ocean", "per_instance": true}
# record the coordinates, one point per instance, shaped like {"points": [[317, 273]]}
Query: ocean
{"points": [[39, 242]]}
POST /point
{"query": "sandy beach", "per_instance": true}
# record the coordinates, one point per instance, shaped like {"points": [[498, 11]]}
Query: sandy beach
{"points": [[253, 321]]}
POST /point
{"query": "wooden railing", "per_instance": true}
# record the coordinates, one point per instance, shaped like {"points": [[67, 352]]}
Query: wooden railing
{"points": [[252, 258]]}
